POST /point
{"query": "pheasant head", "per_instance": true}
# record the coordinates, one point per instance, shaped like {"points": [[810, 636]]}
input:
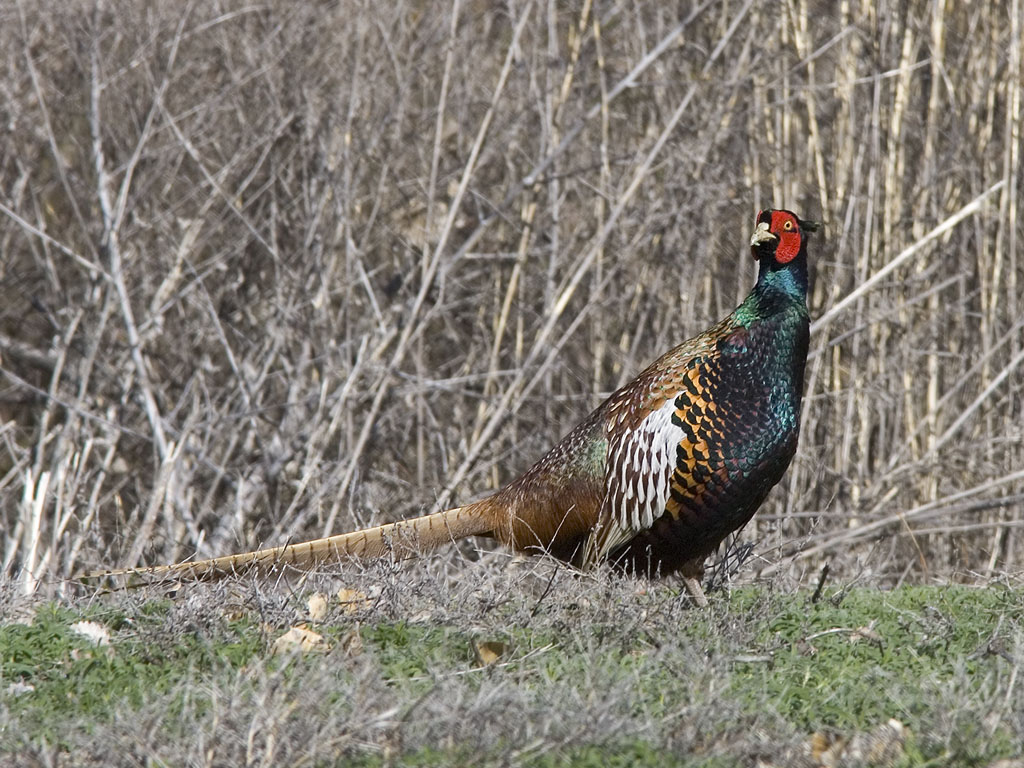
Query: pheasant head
{"points": [[779, 243]]}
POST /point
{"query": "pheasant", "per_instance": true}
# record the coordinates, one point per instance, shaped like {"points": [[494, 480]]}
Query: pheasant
{"points": [[658, 475]]}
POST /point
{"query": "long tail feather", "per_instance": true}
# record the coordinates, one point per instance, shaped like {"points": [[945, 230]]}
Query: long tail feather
{"points": [[400, 540]]}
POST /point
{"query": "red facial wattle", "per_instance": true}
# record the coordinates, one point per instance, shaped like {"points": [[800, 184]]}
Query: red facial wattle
{"points": [[785, 227]]}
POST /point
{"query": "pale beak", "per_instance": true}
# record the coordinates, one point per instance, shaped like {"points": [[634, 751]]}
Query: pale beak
{"points": [[761, 235]]}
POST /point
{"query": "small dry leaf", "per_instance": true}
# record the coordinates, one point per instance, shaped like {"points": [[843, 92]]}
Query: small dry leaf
{"points": [[819, 742], [826, 749], [317, 606], [95, 633], [299, 639], [882, 747], [353, 601], [489, 651], [234, 612]]}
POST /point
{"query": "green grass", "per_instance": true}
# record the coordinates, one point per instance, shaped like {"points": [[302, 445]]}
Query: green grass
{"points": [[636, 755], [757, 673], [921, 641], [75, 679]]}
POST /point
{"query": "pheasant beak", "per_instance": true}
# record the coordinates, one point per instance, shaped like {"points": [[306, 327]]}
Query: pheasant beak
{"points": [[761, 235]]}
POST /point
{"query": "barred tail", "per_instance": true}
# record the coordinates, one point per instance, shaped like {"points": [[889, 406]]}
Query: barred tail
{"points": [[400, 540]]}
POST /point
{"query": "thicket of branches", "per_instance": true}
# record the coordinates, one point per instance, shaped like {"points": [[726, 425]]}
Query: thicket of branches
{"points": [[280, 269]]}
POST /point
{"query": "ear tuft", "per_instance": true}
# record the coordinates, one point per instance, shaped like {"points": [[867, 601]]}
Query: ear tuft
{"points": [[810, 226]]}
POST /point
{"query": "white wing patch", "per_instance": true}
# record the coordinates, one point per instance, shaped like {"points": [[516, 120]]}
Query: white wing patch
{"points": [[637, 487]]}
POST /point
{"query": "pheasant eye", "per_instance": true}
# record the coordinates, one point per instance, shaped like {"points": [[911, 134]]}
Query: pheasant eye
{"points": [[788, 226]]}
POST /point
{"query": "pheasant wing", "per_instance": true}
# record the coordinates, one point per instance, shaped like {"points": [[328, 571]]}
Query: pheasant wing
{"points": [[641, 462], [657, 431]]}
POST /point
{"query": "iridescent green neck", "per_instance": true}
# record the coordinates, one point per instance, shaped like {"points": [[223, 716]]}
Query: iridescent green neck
{"points": [[790, 280], [778, 287]]}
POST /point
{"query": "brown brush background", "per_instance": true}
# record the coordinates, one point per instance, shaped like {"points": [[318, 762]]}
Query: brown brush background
{"points": [[275, 270]]}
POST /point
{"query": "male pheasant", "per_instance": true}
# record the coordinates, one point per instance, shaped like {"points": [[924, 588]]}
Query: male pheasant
{"points": [[660, 473]]}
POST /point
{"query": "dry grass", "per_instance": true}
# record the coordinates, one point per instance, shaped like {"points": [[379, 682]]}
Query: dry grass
{"points": [[280, 269], [592, 670]]}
